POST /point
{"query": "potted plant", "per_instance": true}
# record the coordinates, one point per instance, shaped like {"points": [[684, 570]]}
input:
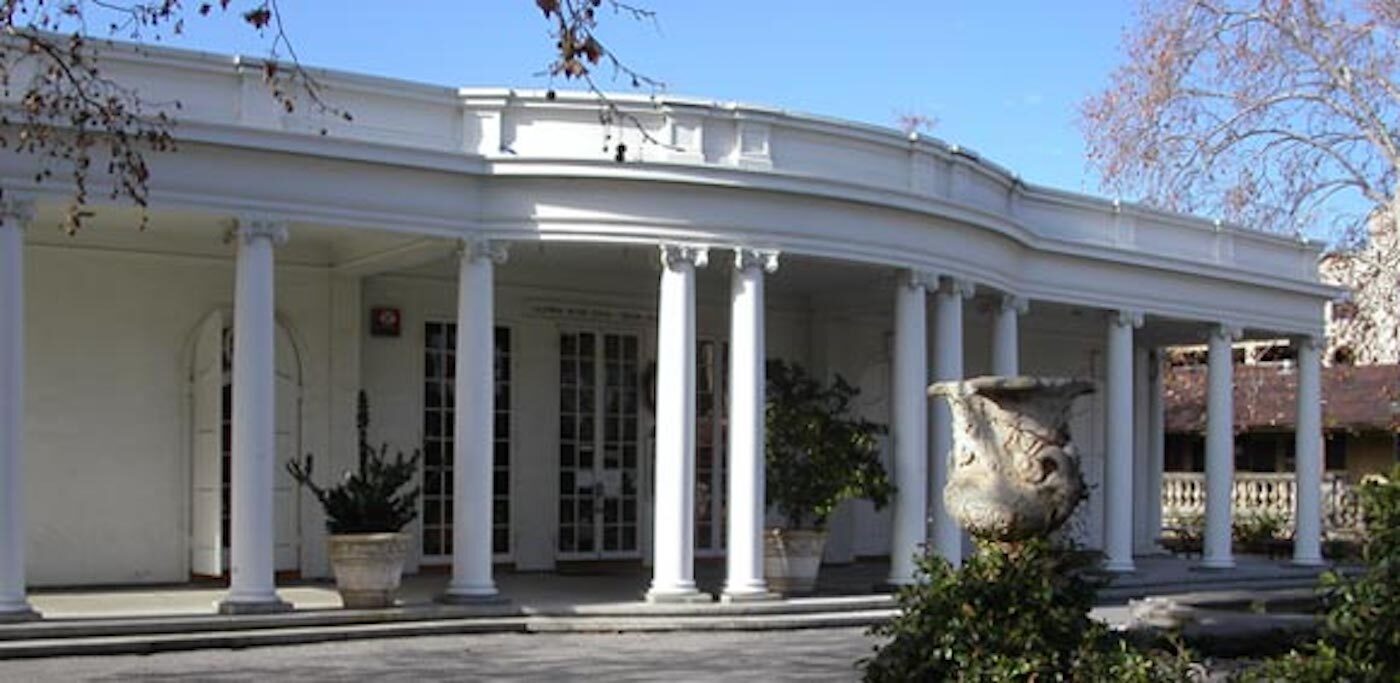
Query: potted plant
{"points": [[818, 455], [365, 515]]}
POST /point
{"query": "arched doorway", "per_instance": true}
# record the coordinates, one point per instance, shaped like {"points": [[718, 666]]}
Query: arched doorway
{"points": [[211, 391]]}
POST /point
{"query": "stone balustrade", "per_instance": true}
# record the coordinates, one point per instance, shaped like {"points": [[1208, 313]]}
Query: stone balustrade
{"points": [[1260, 493]]}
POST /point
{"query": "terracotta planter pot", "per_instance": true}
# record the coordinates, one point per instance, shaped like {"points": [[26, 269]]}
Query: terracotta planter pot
{"points": [[792, 558], [368, 568]]}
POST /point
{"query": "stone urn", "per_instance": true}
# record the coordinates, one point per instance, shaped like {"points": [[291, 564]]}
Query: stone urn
{"points": [[1015, 474], [368, 568], [792, 558]]}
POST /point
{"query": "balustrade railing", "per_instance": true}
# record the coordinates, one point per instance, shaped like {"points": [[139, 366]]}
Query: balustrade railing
{"points": [[1260, 493]]}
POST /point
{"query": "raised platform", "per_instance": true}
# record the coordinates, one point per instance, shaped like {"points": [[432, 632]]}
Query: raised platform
{"points": [[135, 620]]}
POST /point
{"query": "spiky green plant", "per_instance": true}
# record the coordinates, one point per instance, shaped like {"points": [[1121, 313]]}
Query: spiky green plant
{"points": [[371, 499]]}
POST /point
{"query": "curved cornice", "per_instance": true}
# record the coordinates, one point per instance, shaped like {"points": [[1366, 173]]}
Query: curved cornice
{"points": [[949, 210]]}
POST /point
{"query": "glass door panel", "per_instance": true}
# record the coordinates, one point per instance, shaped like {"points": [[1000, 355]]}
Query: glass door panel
{"points": [[711, 445], [598, 445], [439, 411]]}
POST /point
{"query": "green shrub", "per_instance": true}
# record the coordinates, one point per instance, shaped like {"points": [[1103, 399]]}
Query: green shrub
{"points": [[368, 500], [1012, 612], [1258, 528], [818, 453], [1360, 638]]}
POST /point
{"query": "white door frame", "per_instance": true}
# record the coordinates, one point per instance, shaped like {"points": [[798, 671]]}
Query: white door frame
{"points": [[599, 448]]}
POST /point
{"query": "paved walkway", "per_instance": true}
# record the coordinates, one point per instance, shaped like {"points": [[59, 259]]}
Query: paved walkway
{"points": [[812, 655]]}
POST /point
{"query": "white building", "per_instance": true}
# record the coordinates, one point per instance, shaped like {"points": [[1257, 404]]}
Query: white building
{"points": [[126, 410]]}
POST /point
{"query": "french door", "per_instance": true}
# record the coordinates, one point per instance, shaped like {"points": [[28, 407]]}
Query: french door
{"points": [[711, 445], [211, 475], [439, 411], [599, 444]]}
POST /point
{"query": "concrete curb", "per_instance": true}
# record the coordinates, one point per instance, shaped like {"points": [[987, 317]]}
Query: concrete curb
{"points": [[248, 635]]}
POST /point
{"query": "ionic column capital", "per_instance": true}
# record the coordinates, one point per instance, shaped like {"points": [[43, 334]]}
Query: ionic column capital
{"points": [[1125, 318], [482, 249], [673, 255], [247, 229], [917, 279], [956, 286], [16, 212], [767, 259], [1012, 303], [1225, 331]]}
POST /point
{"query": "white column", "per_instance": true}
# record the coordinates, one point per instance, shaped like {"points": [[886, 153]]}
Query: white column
{"points": [[14, 602], [747, 404], [1142, 518], [1006, 345], [252, 584], [947, 365], [1220, 448], [1118, 442], [1156, 444], [1307, 535], [673, 546], [474, 424], [909, 509]]}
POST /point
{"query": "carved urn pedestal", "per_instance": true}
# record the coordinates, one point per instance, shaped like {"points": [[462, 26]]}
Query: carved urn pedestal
{"points": [[1015, 474]]}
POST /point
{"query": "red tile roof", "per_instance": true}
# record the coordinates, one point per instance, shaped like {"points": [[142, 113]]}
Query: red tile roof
{"points": [[1364, 397]]}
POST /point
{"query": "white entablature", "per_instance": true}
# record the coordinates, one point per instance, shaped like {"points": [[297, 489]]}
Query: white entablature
{"points": [[520, 165]]}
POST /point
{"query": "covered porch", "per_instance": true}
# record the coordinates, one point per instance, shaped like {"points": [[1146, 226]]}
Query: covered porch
{"points": [[576, 344]]}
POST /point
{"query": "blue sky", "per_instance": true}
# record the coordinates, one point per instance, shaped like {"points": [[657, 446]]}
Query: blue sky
{"points": [[1003, 78]]}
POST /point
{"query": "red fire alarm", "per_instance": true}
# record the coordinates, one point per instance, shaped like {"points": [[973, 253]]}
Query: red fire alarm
{"points": [[384, 322]]}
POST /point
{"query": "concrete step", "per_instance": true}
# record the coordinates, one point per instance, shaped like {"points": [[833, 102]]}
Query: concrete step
{"points": [[718, 622], [149, 643], [1122, 593]]}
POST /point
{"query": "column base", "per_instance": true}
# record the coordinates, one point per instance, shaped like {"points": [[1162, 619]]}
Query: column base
{"points": [[678, 595], [273, 606], [19, 616], [762, 595], [473, 599], [897, 582], [1308, 561], [1215, 564], [1119, 567]]}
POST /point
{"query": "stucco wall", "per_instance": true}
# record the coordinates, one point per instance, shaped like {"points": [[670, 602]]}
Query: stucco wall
{"points": [[107, 442]]}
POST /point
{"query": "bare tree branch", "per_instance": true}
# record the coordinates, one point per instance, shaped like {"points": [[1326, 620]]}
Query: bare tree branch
{"points": [[1278, 114]]}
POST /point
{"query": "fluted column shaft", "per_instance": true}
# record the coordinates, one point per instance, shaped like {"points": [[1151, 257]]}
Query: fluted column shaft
{"points": [[1307, 536], [947, 365], [673, 546], [1220, 449], [14, 601], [1006, 319], [473, 456], [252, 583], [744, 560], [1118, 442], [910, 428]]}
